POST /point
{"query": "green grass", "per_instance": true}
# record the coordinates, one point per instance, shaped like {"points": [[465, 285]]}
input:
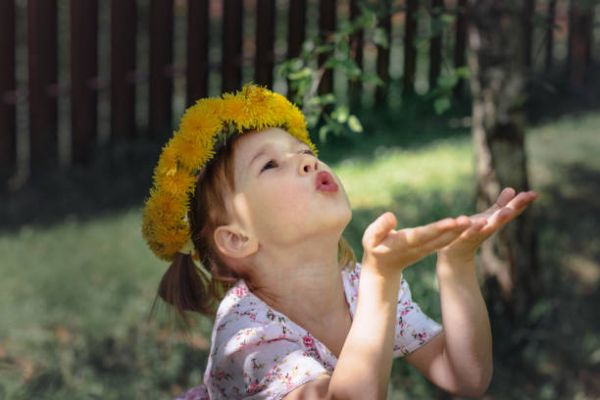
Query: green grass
{"points": [[75, 293]]}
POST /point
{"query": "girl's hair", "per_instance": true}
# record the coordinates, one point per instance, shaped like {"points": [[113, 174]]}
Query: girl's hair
{"points": [[187, 286]]}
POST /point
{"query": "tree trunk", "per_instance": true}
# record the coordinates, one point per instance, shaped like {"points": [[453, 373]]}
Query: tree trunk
{"points": [[508, 259]]}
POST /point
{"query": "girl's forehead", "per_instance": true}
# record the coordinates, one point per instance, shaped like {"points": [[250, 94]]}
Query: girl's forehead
{"points": [[254, 142], [251, 145]]}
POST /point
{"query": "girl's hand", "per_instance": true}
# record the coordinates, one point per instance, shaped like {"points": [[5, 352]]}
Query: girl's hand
{"points": [[508, 206], [389, 251]]}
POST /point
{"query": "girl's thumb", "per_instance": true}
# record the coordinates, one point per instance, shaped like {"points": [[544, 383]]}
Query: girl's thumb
{"points": [[379, 229]]}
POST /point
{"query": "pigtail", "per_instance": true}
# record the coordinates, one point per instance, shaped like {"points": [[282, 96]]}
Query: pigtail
{"points": [[185, 286], [197, 283]]}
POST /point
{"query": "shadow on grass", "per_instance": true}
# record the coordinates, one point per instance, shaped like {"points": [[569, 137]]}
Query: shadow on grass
{"points": [[411, 127], [115, 182], [139, 364], [555, 353], [550, 96], [120, 179]]}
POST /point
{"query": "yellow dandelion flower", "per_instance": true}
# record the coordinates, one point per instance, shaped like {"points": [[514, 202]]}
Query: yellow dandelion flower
{"points": [[178, 184], [232, 109], [165, 226], [164, 204], [167, 161], [172, 238], [188, 148], [198, 122]]}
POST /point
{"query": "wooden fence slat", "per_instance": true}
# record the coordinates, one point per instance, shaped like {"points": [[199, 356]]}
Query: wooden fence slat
{"points": [[296, 27], [549, 35], [232, 26], [161, 64], [43, 89], [123, 39], [383, 54], [296, 32], [84, 69], [327, 25], [8, 128], [410, 50], [579, 43], [264, 58], [435, 47], [356, 44], [528, 28], [460, 46], [197, 50], [42, 56]]}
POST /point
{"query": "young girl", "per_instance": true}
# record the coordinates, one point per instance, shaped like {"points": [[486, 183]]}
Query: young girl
{"points": [[249, 216]]}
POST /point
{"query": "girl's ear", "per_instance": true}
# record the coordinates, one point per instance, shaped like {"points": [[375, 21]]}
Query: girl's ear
{"points": [[234, 242]]}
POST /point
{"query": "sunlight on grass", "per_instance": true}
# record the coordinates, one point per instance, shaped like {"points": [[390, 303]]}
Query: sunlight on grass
{"points": [[70, 272], [438, 166], [570, 141]]}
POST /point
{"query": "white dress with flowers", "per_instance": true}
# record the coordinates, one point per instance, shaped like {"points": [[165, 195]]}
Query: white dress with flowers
{"points": [[258, 353]]}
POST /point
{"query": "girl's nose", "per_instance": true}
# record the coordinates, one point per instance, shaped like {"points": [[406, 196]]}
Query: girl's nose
{"points": [[308, 164]]}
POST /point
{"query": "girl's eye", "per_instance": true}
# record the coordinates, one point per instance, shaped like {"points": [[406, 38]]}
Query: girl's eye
{"points": [[273, 163], [269, 165]]}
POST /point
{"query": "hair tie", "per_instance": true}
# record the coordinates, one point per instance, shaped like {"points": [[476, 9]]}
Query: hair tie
{"points": [[188, 248]]}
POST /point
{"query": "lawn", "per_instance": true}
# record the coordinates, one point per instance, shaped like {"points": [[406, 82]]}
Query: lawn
{"points": [[76, 287]]}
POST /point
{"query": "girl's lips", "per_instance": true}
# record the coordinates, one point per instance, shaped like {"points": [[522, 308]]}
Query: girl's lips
{"points": [[325, 182]]}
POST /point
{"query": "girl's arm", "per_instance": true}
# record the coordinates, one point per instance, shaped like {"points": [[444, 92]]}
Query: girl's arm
{"points": [[460, 359], [364, 366]]}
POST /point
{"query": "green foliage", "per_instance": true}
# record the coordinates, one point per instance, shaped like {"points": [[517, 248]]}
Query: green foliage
{"points": [[304, 74], [442, 95]]}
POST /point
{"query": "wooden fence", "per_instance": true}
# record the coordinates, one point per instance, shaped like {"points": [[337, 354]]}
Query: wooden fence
{"points": [[217, 46]]}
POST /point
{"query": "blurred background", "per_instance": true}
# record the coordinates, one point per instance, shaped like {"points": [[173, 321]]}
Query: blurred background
{"points": [[422, 107]]}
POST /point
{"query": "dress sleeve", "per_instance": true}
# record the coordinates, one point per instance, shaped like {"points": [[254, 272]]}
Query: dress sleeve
{"points": [[413, 327], [261, 362]]}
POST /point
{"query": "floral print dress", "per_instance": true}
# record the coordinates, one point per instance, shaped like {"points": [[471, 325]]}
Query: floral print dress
{"points": [[258, 353]]}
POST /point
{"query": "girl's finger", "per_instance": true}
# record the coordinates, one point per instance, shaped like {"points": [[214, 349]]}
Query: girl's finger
{"points": [[497, 220], [378, 230], [442, 240], [522, 200], [503, 199], [505, 196], [514, 208], [518, 202], [475, 229], [421, 235]]}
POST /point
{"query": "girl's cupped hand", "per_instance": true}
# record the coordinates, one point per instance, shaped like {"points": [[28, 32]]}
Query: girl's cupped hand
{"points": [[508, 206], [389, 250]]}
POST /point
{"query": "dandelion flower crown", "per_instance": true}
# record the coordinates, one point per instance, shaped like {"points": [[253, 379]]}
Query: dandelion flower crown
{"points": [[210, 121]]}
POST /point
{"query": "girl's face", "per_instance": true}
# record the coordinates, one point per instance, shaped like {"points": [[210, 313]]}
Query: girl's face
{"points": [[283, 193]]}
